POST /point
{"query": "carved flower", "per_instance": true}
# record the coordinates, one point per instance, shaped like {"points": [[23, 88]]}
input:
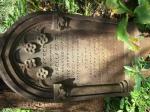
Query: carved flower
{"points": [[42, 73], [30, 48], [42, 39], [30, 63]]}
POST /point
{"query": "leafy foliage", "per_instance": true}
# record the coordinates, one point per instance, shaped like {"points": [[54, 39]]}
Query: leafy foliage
{"points": [[139, 99], [143, 2], [123, 35], [140, 96], [112, 104], [15, 110], [141, 15], [10, 11], [23, 110], [71, 6], [34, 5], [6, 6], [117, 6]]}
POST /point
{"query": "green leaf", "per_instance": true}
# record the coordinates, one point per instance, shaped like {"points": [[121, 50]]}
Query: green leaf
{"points": [[147, 65], [123, 35], [138, 81], [122, 103], [12, 17], [120, 111], [143, 2], [142, 14], [71, 6], [130, 69], [121, 30], [117, 6], [67, 3]]}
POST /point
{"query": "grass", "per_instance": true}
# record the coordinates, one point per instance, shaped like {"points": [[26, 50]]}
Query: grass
{"points": [[10, 11], [6, 7], [15, 110], [24, 110]]}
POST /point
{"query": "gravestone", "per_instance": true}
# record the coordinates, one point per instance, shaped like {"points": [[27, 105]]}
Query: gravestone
{"points": [[59, 57]]}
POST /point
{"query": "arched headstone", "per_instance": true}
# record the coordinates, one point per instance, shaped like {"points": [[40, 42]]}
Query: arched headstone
{"points": [[59, 57]]}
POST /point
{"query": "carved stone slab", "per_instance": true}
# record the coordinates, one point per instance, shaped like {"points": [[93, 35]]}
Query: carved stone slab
{"points": [[47, 56]]}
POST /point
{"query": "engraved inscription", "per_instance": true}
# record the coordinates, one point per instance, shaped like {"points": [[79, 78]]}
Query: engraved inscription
{"points": [[86, 57], [92, 57]]}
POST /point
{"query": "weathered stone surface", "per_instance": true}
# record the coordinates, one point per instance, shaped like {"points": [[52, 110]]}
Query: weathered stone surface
{"points": [[45, 50], [12, 100]]}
